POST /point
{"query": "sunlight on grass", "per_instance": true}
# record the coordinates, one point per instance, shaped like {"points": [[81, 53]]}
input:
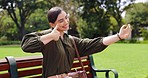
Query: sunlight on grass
{"points": [[15, 51], [130, 60]]}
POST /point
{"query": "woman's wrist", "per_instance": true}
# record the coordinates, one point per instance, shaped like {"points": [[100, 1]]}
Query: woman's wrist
{"points": [[119, 36]]}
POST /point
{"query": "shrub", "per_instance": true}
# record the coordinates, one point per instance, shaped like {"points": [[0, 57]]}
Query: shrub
{"points": [[9, 42]]}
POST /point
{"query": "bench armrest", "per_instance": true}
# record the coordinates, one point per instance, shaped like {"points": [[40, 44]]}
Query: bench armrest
{"points": [[94, 69], [13, 66], [106, 71]]}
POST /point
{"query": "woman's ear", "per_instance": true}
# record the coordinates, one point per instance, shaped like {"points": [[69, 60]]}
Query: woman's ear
{"points": [[52, 25]]}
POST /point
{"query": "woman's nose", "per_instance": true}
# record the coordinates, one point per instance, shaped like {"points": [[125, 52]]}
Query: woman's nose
{"points": [[66, 21]]}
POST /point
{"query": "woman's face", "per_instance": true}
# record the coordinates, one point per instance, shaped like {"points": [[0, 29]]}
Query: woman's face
{"points": [[62, 21]]}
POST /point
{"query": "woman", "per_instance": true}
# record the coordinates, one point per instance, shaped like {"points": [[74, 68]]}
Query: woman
{"points": [[57, 48]]}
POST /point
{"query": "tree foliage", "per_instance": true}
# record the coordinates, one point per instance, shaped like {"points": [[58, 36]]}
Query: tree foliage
{"points": [[95, 17], [37, 21], [99, 16], [20, 11], [137, 15], [7, 27], [116, 7], [92, 18]]}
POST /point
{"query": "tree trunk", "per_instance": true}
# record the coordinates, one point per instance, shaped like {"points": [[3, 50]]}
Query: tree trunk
{"points": [[21, 31]]}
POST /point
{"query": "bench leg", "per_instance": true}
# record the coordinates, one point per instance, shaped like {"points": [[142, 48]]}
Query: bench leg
{"points": [[112, 70]]}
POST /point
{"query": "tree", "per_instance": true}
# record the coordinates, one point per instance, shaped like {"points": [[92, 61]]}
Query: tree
{"points": [[137, 15], [101, 14], [116, 7], [37, 21], [20, 11], [7, 28], [96, 19]]}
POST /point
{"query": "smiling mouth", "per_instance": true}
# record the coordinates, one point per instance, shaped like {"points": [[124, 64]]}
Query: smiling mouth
{"points": [[65, 26]]}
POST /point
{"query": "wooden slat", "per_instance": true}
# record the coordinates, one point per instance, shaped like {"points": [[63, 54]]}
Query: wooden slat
{"points": [[5, 75], [85, 57], [37, 77], [80, 69], [25, 64], [78, 64], [30, 72], [88, 69], [89, 75], [4, 67], [28, 58], [86, 63], [3, 61]]}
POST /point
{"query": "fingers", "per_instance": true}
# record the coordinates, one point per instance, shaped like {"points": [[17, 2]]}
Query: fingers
{"points": [[127, 27], [56, 27], [124, 26], [130, 27]]}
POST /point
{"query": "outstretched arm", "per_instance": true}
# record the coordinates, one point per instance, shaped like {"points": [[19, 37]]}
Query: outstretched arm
{"points": [[124, 32]]}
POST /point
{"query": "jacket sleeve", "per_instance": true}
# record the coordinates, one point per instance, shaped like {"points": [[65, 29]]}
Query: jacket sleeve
{"points": [[89, 46], [32, 43]]}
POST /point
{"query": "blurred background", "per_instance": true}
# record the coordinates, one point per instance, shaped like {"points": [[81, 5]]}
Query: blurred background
{"points": [[88, 18]]}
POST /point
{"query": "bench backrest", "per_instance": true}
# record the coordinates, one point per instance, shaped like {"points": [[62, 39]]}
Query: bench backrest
{"points": [[4, 67], [32, 67]]}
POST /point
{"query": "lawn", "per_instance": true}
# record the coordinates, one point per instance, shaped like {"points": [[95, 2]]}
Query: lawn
{"points": [[130, 60], [14, 51]]}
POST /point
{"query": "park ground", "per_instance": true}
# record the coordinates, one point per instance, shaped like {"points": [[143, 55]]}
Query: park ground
{"points": [[129, 60]]}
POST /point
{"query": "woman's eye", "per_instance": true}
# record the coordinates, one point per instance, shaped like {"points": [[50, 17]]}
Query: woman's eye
{"points": [[60, 21], [66, 17]]}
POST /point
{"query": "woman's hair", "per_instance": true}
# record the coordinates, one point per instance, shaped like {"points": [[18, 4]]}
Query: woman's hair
{"points": [[53, 14]]}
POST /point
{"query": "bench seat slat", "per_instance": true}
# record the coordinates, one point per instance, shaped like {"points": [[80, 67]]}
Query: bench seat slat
{"points": [[30, 72], [37, 77], [78, 64], [31, 58], [80, 69], [25, 64], [5, 75], [4, 67], [84, 57], [89, 75]]}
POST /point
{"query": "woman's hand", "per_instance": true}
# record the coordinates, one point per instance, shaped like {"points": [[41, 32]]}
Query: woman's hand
{"points": [[125, 31], [55, 33]]}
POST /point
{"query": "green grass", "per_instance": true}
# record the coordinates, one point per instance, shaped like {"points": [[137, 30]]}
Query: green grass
{"points": [[14, 50], [130, 60]]}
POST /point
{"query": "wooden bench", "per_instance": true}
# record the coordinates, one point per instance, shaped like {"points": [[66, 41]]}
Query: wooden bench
{"points": [[31, 67]]}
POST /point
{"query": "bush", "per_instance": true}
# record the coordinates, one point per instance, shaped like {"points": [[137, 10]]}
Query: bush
{"points": [[9, 42], [133, 40], [3, 38], [144, 33]]}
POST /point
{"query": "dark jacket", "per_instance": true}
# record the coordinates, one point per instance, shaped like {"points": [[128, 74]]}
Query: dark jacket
{"points": [[58, 55]]}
